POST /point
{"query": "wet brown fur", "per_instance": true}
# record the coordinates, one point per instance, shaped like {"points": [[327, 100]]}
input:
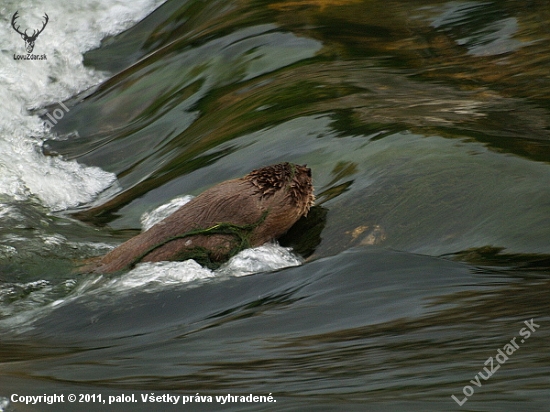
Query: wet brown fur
{"points": [[268, 201]]}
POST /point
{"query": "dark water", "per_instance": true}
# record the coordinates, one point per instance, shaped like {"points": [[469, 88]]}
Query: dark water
{"points": [[426, 125]]}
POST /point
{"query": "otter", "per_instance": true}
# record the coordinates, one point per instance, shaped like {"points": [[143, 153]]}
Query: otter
{"points": [[229, 217]]}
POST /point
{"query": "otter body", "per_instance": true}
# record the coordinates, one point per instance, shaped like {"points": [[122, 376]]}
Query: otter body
{"points": [[223, 220]]}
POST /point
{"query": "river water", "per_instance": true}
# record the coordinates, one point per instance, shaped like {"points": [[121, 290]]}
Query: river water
{"points": [[418, 282]]}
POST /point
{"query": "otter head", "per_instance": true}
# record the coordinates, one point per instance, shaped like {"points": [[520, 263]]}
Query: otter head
{"points": [[295, 180]]}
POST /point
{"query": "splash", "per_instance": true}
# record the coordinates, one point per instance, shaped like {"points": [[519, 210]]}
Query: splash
{"points": [[29, 85]]}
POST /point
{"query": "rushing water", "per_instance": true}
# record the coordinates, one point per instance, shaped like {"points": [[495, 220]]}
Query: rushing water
{"points": [[426, 126]]}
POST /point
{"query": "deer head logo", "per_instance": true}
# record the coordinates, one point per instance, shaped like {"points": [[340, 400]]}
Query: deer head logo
{"points": [[29, 40]]}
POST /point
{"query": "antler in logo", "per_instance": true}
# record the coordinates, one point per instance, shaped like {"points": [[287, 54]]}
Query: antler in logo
{"points": [[29, 40]]}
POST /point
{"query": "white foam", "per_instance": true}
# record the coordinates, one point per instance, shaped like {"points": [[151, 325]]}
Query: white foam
{"points": [[73, 28], [266, 258], [4, 403], [159, 275], [154, 276]]}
